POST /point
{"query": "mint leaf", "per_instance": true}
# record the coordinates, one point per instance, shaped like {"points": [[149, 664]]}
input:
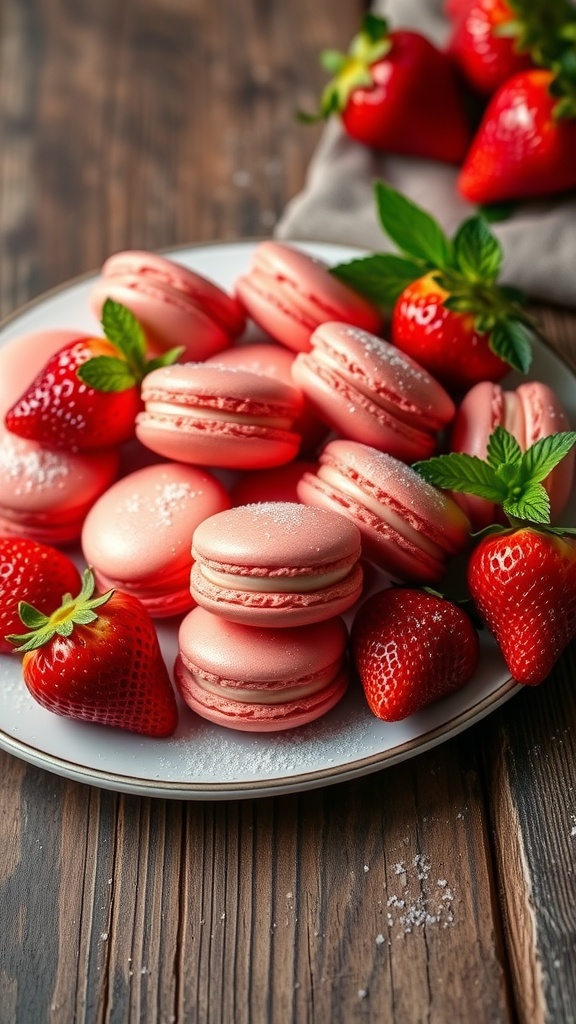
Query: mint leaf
{"points": [[540, 459], [464, 473], [477, 253], [123, 330], [495, 212], [106, 373], [381, 278], [511, 340], [166, 359], [502, 449], [411, 228], [532, 504]]}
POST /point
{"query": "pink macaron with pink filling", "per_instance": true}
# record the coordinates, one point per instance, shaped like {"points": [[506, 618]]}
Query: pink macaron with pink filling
{"points": [[260, 680], [45, 494], [138, 536], [369, 391], [174, 305], [409, 528], [276, 564], [530, 412], [216, 416], [288, 293]]}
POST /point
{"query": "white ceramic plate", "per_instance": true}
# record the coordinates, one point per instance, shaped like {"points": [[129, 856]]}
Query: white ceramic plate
{"points": [[206, 762]]}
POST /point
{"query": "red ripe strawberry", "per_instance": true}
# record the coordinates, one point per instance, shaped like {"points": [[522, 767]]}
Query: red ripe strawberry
{"points": [[87, 396], [35, 573], [382, 92], [481, 46], [411, 648], [445, 342], [524, 585], [449, 312], [523, 579], [525, 146], [100, 666]]}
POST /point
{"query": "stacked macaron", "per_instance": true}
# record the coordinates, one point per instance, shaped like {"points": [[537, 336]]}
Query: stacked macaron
{"points": [[265, 648]]}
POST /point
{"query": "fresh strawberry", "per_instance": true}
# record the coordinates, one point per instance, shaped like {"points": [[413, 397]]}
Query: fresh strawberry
{"points": [[411, 647], [98, 659], [525, 146], [522, 579], [382, 92], [489, 43], [88, 395], [31, 572], [448, 311]]}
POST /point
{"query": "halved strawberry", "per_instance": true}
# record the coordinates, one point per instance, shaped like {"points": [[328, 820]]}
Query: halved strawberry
{"points": [[31, 572], [411, 647], [98, 659]]}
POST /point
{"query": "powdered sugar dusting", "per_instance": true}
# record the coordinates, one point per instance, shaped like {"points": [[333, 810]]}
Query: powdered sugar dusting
{"points": [[29, 468], [421, 901], [167, 500]]}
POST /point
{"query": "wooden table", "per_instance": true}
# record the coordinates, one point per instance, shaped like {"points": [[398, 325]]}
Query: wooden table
{"points": [[438, 890]]}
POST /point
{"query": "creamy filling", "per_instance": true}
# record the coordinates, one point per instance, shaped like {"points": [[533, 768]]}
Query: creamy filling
{"points": [[244, 695], [274, 584], [343, 484], [176, 412]]}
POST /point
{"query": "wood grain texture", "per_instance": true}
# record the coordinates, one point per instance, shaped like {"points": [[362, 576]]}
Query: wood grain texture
{"points": [[438, 890]]}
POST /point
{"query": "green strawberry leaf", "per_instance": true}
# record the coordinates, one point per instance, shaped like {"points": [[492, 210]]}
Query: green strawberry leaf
{"points": [[31, 617], [511, 340], [381, 278], [123, 330], [416, 233], [460, 303], [533, 504], [540, 459], [512, 294], [166, 359], [464, 473], [503, 449], [332, 61], [477, 252], [106, 373]]}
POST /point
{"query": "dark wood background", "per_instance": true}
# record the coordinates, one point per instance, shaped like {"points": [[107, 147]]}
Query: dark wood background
{"points": [[439, 890]]}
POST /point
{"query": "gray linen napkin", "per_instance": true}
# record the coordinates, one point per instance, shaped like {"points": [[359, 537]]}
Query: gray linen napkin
{"points": [[337, 201]]}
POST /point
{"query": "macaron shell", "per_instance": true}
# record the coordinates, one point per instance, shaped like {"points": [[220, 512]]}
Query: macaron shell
{"points": [[138, 536], [46, 494], [276, 484], [408, 527], [545, 415], [257, 717], [22, 358], [211, 415], [288, 294], [174, 305], [276, 608], [250, 657]]}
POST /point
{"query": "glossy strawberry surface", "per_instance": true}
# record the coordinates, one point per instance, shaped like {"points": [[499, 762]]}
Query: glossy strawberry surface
{"points": [[521, 149], [485, 58], [524, 585], [446, 343], [60, 411], [32, 572], [411, 648]]}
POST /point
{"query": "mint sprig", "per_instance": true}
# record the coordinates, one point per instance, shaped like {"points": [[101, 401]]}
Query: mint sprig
{"points": [[130, 366], [466, 266], [507, 476]]}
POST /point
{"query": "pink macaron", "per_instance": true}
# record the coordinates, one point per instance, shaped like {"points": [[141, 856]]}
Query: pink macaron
{"points": [[138, 536], [276, 361], [174, 305], [289, 293], [22, 359], [216, 416], [530, 412], [276, 564], [45, 494], [369, 391], [409, 528], [260, 680]]}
